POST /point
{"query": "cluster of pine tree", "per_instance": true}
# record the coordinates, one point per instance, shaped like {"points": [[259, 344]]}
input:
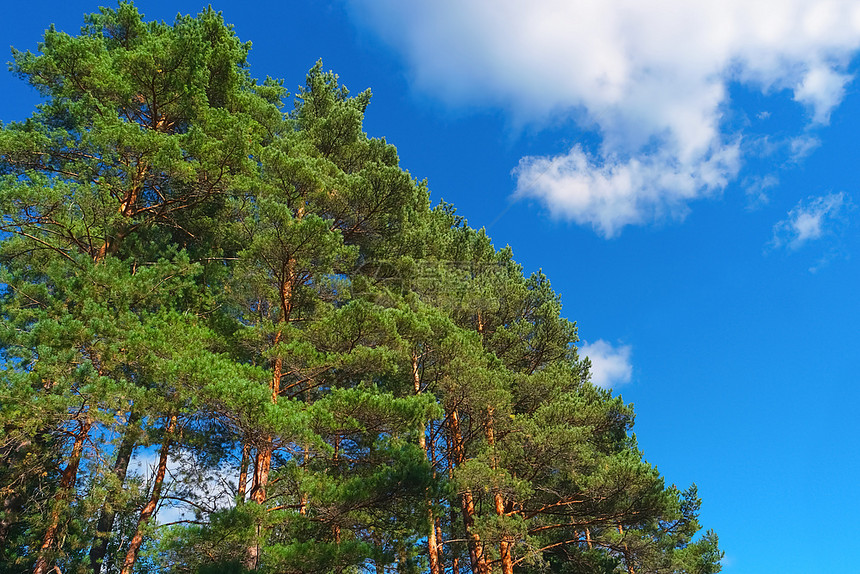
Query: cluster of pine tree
{"points": [[253, 315]]}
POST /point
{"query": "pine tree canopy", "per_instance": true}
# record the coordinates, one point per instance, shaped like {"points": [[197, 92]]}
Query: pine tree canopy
{"points": [[237, 337]]}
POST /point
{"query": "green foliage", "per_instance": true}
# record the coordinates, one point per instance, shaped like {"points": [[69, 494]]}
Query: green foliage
{"points": [[329, 373]]}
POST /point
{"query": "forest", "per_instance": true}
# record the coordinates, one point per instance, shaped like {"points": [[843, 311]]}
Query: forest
{"points": [[237, 336]]}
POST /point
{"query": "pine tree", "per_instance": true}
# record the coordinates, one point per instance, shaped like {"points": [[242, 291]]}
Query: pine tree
{"points": [[106, 192], [329, 375]]}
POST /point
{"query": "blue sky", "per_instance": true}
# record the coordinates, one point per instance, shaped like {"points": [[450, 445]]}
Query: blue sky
{"points": [[685, 174]]}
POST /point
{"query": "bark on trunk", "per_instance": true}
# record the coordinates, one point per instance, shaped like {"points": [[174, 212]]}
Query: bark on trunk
{"points": [[476, 547], [627, 561], [262, 467], [467, 501], [432, 542], [243, 472], [335, 461], [505, 544], [108, 515], [65, 492], [263, 460], [154, 498], [126, 210]]}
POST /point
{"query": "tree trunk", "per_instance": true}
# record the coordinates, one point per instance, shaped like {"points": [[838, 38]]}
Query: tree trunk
{"points": [[152, 504], [243, 472], [335, 462], [467, 501], [127, 209], [432, 542], [505, 543], [65, 492], [262, 467], [108, 515], [263, 460], [476, 547], [627, 560]]}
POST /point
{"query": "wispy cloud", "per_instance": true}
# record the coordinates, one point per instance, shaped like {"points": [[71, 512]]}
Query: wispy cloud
{"points": [[758, 189], [802, 146], [810, 220], [651, 78], [610, 366]]}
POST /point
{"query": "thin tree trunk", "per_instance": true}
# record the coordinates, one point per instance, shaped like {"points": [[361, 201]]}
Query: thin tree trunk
{"points": [[437, 531], [306, 459], [67, 486], [335, 461], [155, 496], [476, 547], [452, 521], [467, 501], [243, 471], [108, 514], [303, 504], [505, 543], [263, 459], [627, 560], [262, 467], [432, 542]]}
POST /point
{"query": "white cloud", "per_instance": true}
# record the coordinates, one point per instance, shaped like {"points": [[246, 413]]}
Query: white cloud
{"points": [[821, 89], [651, 77], [609, 194], [810, 220], [610, 366]]}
